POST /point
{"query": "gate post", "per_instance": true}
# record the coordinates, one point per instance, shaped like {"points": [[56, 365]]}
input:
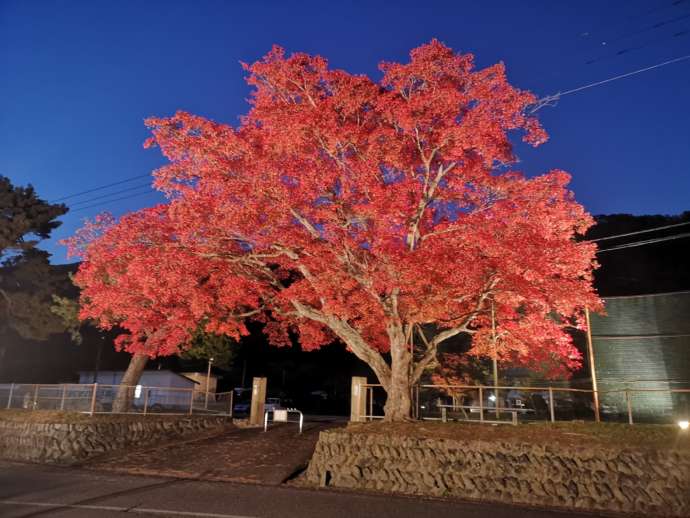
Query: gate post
{"points": [[358, 399], [256, 415]]}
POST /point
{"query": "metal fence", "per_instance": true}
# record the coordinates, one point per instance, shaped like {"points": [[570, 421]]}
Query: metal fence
{"points": [[514, 404], [97, 398]]}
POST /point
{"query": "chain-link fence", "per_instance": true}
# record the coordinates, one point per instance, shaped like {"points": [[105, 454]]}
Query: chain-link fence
{"points": [[97, 398], [514, 404]]}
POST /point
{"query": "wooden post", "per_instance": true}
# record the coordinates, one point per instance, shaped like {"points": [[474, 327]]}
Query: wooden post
{"points": [[191, 401], [93, 399], [34, 405], [551, 408], [232, 398], [9, 399], [358, 399], [256, 415], [481, 404], [629, 404], [62, 398], [146, 399], [590, 352]]}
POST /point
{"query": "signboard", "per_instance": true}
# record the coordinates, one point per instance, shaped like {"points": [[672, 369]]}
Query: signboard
{"points": [[280, 416]]}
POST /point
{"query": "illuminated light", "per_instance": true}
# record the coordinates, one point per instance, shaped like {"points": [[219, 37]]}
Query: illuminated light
{"points": [[492, 398], [683, 425], [137, 391]]}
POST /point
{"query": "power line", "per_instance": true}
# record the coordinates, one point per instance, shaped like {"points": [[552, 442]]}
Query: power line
{"points": [[549, 100], [640, 232], [648, 28], [100, 188], [646, 242], [627, 19], [627, 50], [100, 204], [89, 200]]}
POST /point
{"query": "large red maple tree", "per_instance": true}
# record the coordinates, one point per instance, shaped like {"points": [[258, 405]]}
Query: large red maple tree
{"points": [[343, 208]]}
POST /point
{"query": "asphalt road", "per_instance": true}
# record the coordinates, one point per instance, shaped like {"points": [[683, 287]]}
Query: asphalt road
{"points": [[28, 490]]}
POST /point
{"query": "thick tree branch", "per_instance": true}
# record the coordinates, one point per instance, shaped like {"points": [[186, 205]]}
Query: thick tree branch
{"points": [[352, 339]]}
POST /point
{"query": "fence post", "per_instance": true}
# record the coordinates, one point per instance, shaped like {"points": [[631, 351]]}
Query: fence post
{"points": [[62, 398], [93, 399], [35, 403], [9, 399], [146, 399], [629, 404], [191, 402], [370, 391], [232, 397], [481, 404], [418, 413], [553, 416]]}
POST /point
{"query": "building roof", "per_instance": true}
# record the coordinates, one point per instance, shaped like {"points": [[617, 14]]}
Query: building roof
{"points": [[166, 371]]}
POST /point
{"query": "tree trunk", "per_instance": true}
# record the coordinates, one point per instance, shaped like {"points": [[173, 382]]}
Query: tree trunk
{"points": [[398, 403], [125, 392]]}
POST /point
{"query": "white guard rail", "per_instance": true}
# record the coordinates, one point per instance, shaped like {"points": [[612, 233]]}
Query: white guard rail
{"points": [[281, 415]]}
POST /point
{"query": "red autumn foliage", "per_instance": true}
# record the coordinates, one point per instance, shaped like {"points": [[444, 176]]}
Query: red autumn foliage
{"points": [[341, 207]]}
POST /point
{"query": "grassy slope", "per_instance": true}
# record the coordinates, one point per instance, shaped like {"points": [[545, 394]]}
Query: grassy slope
{"points": [[642, 436]]}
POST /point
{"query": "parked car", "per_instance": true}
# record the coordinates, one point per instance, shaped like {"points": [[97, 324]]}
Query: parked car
{"points": [[243, 400]]}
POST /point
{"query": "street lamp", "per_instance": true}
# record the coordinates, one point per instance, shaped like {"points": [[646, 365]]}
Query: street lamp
{"points": [[208, 382]]}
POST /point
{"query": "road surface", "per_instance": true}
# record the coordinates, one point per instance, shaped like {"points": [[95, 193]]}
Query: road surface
{"points": [[29, 490]]}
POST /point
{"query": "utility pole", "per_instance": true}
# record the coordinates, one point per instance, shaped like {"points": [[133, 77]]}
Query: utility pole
{"points": [[208, 382], [590, 352], [495, 361]]}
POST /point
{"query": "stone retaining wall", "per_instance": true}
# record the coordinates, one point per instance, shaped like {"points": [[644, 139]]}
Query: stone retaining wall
{"points": [[631, 481], [60, 443]]}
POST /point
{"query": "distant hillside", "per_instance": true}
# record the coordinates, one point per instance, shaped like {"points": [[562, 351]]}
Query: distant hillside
{"points": [[653, 268]]}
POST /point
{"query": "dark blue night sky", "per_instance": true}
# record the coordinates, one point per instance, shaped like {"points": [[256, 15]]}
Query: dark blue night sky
{"points": [[77, 79]]}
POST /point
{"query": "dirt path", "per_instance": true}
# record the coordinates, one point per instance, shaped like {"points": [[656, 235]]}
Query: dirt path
{"points": [[237, 455]]}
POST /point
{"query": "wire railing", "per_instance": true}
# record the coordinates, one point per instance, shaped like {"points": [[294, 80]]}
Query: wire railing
{"points": [[514, 404], [99, 398]]}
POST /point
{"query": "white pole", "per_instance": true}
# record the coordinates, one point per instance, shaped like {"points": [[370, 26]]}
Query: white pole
{"points": [[551, 409], [9, 399], [495, 362], [62, 399], [208, 382], [93, 399]]}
